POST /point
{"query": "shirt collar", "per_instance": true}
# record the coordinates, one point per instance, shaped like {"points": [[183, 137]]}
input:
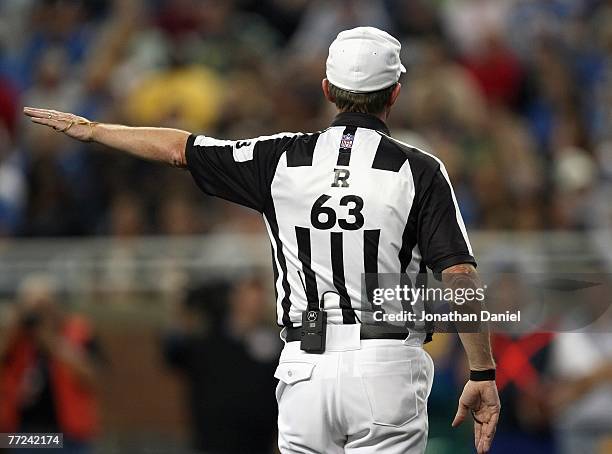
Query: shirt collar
{"points": [[361, 120]]}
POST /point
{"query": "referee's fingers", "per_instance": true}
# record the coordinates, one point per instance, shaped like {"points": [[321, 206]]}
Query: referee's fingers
{"points": [[34, 112], [477, 433], [48, 122], [462, 411], [487, 434]]}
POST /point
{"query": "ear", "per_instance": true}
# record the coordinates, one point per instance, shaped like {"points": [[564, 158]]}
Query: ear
{"points": [[394, 94], [325, 88]]}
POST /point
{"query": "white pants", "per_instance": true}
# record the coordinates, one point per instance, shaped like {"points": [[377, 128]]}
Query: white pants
{"points": [[360, 396]]}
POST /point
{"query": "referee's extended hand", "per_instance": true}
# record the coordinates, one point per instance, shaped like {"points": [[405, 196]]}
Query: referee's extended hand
{"points": [[72, 125], [481, 398]]}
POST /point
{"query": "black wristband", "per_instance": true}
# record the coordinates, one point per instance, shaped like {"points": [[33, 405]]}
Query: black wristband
{"points": [[482, 375]]}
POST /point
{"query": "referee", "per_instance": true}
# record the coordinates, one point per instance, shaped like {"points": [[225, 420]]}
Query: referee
{"points": [[339, 204]]}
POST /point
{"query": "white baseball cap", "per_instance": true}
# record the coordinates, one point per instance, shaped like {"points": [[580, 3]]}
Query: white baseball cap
{"points": [[364, 59]]}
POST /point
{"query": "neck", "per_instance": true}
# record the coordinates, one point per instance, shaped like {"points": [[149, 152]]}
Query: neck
{"points": [[362, 120], [381, 116]]}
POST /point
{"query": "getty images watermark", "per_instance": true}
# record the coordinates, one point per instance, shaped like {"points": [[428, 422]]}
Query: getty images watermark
{"points": [[503, 302], [457, 296]]}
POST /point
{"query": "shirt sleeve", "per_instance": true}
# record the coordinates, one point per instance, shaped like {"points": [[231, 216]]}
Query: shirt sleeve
{"points": [[239, 171], [442, 238]]}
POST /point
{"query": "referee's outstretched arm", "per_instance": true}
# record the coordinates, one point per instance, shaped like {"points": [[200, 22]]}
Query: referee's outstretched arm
{"points": [[155, 144]]}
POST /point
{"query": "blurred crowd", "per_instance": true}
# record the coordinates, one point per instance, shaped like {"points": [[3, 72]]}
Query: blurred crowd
{"points": [[63, 371], [514, 95]]}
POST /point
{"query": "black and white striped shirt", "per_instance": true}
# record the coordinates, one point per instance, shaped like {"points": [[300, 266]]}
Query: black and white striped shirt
{"points": [[338, 203]]}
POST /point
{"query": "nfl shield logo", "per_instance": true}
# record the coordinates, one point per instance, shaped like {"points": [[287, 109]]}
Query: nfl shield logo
{"points": [[347, 141]]}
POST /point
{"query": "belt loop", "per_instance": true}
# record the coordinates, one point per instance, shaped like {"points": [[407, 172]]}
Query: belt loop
{"points": [[405, 341]]}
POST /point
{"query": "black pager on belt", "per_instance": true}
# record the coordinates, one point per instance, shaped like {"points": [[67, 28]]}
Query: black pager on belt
{"points": [[314, 327]]}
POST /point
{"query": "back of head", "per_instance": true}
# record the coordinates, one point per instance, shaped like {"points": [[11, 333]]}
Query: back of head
{"points": [[363, 69], [372, 103]]}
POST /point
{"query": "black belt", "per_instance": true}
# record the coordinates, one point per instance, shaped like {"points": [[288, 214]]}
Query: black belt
{"points": [[367, 332]]}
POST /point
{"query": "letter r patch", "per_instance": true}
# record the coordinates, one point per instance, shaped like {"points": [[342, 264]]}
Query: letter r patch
{"points": [[341, 177]]}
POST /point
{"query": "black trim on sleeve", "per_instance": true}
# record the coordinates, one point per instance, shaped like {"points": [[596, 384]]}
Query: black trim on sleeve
{"points": [[189, 145], [451, 260]]}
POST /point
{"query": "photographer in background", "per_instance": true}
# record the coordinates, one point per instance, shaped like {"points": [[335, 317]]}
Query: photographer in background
{"points": [[220, 342], [47, 373]]}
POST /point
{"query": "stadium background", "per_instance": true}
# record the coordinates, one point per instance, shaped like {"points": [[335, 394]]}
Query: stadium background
{"points": [[515, 96]]}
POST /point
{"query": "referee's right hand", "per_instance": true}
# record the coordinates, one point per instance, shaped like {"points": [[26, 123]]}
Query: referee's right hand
{"points": [[482, 399], [72, 125]]}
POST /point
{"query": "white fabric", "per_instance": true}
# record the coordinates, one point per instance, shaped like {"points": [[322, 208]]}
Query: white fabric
{"points": [[364, 59], [242, 149], [369, 399]]}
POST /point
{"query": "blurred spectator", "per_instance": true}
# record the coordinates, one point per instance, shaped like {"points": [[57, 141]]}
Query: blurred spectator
{"points": [[8, 106], [179, 216], [228, 358], [582, 392], [283, 15], [13, 188], [47, 369], [127, 216], [574, 174], [443, 439], [55, 27], [469, 23], [48, 196], [415, 18], [496, 88], [523, 362], [194, 104], [323, 20], [53, 83], [496, 70]]}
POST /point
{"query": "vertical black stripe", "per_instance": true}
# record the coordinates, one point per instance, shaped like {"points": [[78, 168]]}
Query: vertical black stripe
{"points": [[420, 171], [409, 241], [422, 282], [370, 260], [344, 158], [337, 261], [286, 302], [344, 152], [302, 235], [275, 271], [409, 238]]}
